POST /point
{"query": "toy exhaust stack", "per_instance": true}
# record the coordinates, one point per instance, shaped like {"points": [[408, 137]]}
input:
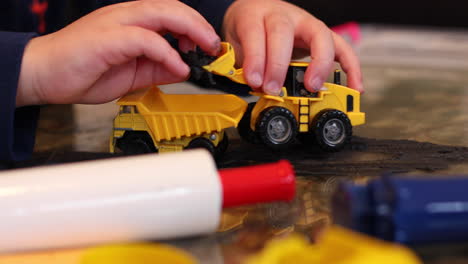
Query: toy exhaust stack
{"points": [[144, 197]]}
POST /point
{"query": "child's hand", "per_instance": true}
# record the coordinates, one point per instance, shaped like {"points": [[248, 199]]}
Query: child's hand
{"points": [[112, 51], [264, 33]]}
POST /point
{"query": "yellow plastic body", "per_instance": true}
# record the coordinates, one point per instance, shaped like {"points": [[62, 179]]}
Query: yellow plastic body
{"points": [[173, 120], [141, 253], [337, 246], [137, 253], [305, 109]]}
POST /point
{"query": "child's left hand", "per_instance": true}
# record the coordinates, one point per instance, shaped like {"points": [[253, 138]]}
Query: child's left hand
{"points": [[112, 51]]}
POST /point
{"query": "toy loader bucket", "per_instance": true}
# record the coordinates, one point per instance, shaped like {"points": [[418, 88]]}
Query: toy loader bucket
{"points": [[225, 61], [224, 65]]}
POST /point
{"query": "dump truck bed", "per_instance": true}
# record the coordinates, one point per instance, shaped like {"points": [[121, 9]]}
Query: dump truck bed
{"points": [[172, 116]]}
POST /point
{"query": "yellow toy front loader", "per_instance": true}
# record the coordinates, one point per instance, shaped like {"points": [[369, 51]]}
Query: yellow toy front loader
{"points": [[325, 117]]}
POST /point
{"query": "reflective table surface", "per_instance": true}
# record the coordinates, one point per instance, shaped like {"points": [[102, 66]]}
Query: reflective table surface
{"points": [[416, 102]]}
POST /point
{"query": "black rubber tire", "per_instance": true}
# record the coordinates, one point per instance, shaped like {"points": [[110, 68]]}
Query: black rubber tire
{"points": [[222, 145], [202, 142], [277, 116], [243, 128], [332, 130], [136, 142]]}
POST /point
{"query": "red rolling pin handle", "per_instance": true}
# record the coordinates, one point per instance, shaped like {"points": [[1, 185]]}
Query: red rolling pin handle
{"points": [[258, 183]]}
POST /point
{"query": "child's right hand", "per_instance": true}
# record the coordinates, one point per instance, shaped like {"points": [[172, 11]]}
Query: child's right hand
{"points": [[111, 52], [264, 34]]}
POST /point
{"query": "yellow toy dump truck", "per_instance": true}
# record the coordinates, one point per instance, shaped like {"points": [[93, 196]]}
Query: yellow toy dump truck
{"points": [[325, 117], [152, 121]]}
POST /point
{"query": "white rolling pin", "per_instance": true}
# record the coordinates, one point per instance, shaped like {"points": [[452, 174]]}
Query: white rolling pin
{"points": [[127, 199]]}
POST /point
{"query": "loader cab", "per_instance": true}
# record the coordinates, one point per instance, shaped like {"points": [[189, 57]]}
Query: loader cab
{"points": [[294, 82]]}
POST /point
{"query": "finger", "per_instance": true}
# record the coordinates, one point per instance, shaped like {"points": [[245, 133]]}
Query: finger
{"points": [[124, 79], [280, 42], [174, 17], [148, 73], [119, 77], [322, 50], [186, 44], [130, 42], [251, 35], [349, 62]]}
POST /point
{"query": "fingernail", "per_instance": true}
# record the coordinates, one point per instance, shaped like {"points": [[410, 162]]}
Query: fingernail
{"points": [[185, 69], [361, 88], [272, 88], [316, 84], [217, 46], [256, 79]]}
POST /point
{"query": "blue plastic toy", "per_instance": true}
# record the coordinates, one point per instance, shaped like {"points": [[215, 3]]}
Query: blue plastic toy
{"points": [[407, 210]]}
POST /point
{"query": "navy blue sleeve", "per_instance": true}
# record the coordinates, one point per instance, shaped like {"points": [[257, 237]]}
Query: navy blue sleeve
{"points": [[17, 125]]}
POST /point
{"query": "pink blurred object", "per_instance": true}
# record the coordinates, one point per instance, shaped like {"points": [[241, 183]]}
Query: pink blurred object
{"points": [[350, 31]]}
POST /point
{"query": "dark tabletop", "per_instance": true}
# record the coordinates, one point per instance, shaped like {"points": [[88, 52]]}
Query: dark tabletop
{"points": [[416, 103]]}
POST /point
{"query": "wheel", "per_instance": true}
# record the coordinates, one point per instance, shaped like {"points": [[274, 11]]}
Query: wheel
{"points": [[202, 142], [277, 127], [222, 145], [136, 142], [332, 130], [245, 132]]}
